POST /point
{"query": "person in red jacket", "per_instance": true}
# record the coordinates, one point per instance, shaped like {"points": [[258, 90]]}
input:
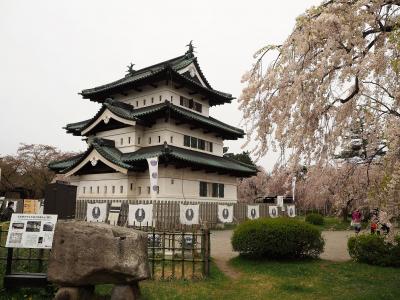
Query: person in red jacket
{"points": [[356, 220]]}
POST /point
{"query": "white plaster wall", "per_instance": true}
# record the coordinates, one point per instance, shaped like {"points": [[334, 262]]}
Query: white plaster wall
{"points": [[124, 134], [174, 185]]}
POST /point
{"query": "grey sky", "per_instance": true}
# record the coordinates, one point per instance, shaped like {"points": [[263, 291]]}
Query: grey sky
{"points": [[51, 50]]}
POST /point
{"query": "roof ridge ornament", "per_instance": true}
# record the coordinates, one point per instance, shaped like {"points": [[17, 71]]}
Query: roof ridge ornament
{"points": [[190, 51], [130, 70]]}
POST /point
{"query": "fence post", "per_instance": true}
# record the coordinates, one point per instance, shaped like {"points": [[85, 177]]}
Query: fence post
{"points": [[9, 260], [207, 251]]}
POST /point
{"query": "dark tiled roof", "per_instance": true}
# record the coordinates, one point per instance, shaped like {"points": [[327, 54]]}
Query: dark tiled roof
{"points": [[175, 155], [147, 113], [169, 68]]}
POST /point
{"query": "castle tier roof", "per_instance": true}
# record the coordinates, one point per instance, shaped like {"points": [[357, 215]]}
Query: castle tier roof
{"points": [[167, 154], [148, 115], [169, 70]]}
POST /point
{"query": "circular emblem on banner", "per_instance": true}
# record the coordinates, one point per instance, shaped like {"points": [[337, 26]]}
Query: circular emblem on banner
{"points": [[140, 215], [225, 213], [153, 162], [96, 212], [189, 214], [155, 188], [253, 213], [154, 174], [273, 212]]}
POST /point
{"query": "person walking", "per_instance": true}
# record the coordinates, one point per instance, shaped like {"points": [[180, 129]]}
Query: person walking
{"points": [[7, 212], [356, 220]]}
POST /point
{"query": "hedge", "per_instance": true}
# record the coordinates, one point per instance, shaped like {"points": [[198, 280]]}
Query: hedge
{"points": [[315, 219], [280, 238], [374, 250]]}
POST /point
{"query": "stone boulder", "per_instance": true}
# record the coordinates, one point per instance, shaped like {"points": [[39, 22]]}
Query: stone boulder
{"points": [[95, 253]]}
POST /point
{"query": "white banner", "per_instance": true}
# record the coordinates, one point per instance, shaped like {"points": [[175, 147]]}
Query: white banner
{"points": [[31, 231], [140, 214], [291, 211], [294, 187], [225, 213], [253, 212], [273, 211], [189, 214], [113, 214], [96, 212], [279, 202], [153, 173]]}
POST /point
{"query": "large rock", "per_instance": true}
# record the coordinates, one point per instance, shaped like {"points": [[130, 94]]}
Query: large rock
{"points": [[94, 253]]}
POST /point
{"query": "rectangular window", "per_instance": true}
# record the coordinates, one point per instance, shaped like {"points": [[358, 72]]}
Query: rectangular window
{"points": [[131, 186], [198, 107], [158, 189], [137, 103], [98, 190], [148, 190], [113, 189], [172, 181], [152, 99], [193, 142], [171, 139], [203, 189], [138, 140], [221, 190], [105, 189], [209, 147], [160, 98], [214, 190], [144, 102], [139, 190], [121, 189], [122, 141], [159, 139], [172, 99], [201, 144], [186, 141], [129, 139], [91, 190], [149, 140]]}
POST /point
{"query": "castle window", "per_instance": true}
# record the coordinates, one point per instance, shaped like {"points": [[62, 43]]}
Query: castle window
{"points": [[144, 102], [148, 190], [121, 189], [171, 139], [138, 140], [137, 103], [160, 98], [201, 144], [186, 141], [129, 139], [139, 190], [152, 99], [150, 140], [159, 139], [193, 142], [158, 189], [98, 190], [203, 189], [91, 190], [198, 107], [172, 181], [172, 99], [131, 186], [105, 189], [113, 189], [122, 141]]}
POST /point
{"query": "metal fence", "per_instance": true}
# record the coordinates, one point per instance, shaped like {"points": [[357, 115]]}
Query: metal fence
{"points": [[172, 254]]}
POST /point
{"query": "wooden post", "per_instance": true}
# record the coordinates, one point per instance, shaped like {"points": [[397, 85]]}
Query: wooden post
{"points": [[207, 251]]}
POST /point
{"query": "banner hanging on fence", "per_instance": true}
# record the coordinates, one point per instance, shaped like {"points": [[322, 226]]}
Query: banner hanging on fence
{"points": [[225, 213], [253, 212], [291, 211], [96, 212], [153, 173], [140, 214], [189, 214], [273, 211], [31, 231], [113, 214]]}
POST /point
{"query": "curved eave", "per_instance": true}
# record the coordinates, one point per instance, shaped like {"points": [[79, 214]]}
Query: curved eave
{"points": [[99, 94]]}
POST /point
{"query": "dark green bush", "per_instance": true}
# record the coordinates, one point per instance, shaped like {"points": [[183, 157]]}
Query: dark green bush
{"points": [[277, 238], [315, 219], [373, 249]]}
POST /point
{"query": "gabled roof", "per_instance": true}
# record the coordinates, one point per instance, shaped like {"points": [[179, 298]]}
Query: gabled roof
{"points": [[147, 115], [168, 70], [136, 161]]}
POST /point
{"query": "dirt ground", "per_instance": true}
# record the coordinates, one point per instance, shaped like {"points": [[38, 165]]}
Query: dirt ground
{"points": [[221, 248]]}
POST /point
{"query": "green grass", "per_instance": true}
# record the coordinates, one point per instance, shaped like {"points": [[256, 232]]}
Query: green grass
{"points": [[309, 279]]}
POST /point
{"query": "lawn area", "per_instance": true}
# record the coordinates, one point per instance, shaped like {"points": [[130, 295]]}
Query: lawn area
{"points": [[309, 279], [332, 223]]}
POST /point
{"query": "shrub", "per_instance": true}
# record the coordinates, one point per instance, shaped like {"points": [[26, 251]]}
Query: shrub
{"points": [[373, 249], [277, 238], [315, 219]]}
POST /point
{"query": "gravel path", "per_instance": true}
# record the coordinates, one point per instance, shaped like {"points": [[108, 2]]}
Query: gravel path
{"points": [[221, 248]]}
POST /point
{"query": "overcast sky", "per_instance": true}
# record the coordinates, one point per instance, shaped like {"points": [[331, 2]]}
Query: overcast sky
{"points": [[51, 50]]}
